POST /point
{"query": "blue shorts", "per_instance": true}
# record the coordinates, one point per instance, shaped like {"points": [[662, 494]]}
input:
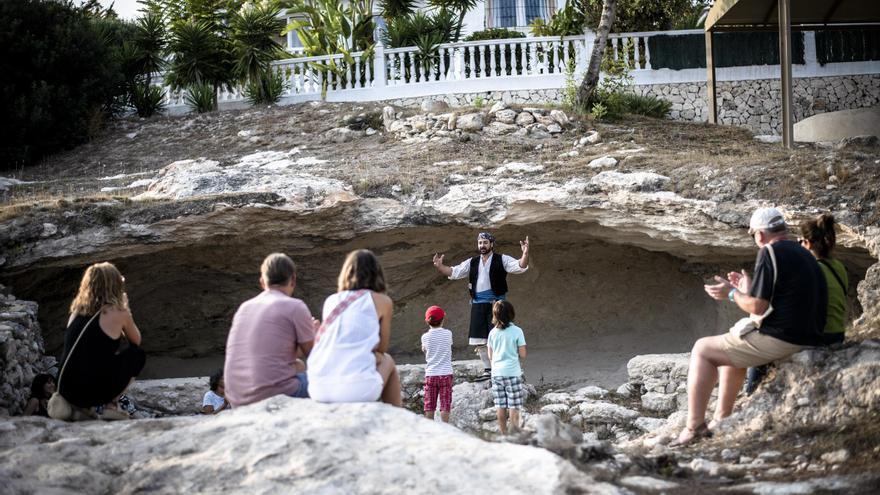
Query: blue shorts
{"points": [[303, 391]]}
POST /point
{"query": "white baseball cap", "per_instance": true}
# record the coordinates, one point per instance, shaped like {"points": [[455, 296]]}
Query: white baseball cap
{"points": [[765, 219]]}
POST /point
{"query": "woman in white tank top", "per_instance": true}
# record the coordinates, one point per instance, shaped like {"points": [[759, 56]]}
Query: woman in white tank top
{"points": [[349, 362]]}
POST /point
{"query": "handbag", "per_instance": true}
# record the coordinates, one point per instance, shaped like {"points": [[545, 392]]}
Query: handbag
{"points": [[753, 322], [59, 407]]}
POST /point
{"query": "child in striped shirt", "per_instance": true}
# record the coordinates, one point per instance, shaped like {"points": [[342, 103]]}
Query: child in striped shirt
{"points": [[437, 346]]}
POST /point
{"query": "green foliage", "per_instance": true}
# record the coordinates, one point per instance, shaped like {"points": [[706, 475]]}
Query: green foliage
{"points": [[391, 9], [479, 102], [147, 99], [266, 89], [200, 57], [440, 26], [598, 112], [649, 106], [254, 40], [570, 20], [631, 15], [326, 27], [494, 34], [569, 91], [60, 75], [615, 97], [202, 97], [457, 7]]}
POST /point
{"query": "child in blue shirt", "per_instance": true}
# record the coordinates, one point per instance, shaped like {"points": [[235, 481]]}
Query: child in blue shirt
{"points": [[507, 345]]}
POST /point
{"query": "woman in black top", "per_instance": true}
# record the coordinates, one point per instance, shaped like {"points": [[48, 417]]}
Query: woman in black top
{"points": [[99, 368]]}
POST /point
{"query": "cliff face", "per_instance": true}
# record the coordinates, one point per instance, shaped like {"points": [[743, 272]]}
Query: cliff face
{"points": [[619, 249]]}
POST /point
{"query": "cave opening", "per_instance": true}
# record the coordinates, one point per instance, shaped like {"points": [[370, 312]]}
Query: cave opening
{"points": [[590, 301]]}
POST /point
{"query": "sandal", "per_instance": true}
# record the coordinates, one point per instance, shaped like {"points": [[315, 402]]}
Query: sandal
{"points": [[689, 435]]}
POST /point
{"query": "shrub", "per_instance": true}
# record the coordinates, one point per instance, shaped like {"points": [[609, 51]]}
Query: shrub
{"points": [[649, 106], [201, 97], [266, 89], [147, 100], [59, 76], [494, 34]]}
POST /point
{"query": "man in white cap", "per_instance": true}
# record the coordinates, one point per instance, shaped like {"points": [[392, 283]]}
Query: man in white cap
{"points": [[788, 289], [488, 283]]}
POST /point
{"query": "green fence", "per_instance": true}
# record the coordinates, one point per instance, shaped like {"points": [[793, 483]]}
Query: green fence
{"points": [[851, 45], [688, 51]]}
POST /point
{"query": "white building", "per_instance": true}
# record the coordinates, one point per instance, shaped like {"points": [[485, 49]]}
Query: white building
{"points": [[510, 14]]}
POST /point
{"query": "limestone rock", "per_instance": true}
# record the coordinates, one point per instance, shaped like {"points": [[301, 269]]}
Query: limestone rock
{"points": [[659, 403], [557, 398], [387, 117], [498, 107], [635, 181], [505, 116], [560, 117], [591, 392], [556, 436], [603, 162], [470, 122], [171, 396], [649, 424], [278, 445], [524, 119], [468, 399], [499, 129], [434, 106], [648, 483], [21, 353], [606, 413]]}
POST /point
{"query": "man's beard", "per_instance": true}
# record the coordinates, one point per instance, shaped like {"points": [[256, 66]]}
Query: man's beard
{"points": [[485, 250]]}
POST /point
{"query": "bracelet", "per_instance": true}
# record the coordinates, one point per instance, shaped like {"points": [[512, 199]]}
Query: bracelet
{"points": [[731, 293]]}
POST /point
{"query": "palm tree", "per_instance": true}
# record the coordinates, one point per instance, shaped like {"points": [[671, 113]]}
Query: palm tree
{"points": [[461, 7]]}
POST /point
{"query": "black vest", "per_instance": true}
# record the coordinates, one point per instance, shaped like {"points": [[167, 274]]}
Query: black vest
{"points": [[497, 275]]}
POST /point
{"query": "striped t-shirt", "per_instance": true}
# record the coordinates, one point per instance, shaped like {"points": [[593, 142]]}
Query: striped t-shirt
{"points": [[437, 344]]}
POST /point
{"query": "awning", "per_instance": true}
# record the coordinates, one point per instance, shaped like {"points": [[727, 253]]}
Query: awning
{"points": [[765, 13]]}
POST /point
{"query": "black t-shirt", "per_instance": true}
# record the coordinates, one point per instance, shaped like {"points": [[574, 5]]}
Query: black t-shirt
{"points": [[800, 300]]}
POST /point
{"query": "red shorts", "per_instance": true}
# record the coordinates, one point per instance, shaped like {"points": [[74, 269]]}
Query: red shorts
{"points": [[438, 386]]}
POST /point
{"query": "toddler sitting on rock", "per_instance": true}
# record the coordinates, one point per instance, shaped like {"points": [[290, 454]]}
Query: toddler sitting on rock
{"points": [[215, 399]]}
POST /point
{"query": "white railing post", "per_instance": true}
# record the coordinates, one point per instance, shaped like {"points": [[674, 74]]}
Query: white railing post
{"points": [[459, 63], [379, 65], [589, 40]]}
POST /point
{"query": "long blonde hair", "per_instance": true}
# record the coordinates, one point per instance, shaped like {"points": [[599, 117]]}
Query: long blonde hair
{"points": [[361, 270], [102, 285]]}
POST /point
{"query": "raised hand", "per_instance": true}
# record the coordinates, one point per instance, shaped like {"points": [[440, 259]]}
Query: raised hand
{"points": [[524, 245], [438, 260]]}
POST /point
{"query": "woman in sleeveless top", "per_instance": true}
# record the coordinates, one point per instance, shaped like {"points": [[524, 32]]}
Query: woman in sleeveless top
{"points": [[108, 357], [819, 237], [349, 362]]}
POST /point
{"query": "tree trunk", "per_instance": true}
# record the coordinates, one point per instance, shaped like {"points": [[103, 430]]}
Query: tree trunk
{"points": [[591, 78]]}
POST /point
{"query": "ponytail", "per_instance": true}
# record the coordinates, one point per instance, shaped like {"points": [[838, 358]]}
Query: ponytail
{"points": [[820, 233]]}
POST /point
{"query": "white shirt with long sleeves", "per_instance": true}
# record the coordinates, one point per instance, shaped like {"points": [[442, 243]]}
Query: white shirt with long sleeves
{"points": [[463, 269]]}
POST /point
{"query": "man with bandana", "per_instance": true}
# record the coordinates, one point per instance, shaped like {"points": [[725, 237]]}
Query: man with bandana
{"points": [[487, 276]]}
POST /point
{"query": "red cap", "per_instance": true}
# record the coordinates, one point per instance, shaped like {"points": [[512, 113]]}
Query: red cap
{"points": [[435, 314]]}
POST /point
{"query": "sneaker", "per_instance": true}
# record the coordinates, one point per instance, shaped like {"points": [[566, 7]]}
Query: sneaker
{"points": [[487, 374]]}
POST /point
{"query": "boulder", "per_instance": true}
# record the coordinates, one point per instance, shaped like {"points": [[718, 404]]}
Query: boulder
{"points": [[524, 119], [170, 396], [498, 107], [606, 413], [470, 122], [556, 436], [434, 106], [276, 446], [505, 116], [603, 162], [499, 129], [634, 182], [468, 399], [560, 117]]}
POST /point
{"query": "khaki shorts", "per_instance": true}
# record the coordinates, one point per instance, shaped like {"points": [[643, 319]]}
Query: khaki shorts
{"points": [[756, 349]]}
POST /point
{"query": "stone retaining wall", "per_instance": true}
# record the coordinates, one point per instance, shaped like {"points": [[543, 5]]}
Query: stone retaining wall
{"points": [[753, 104], [21, 353]]}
